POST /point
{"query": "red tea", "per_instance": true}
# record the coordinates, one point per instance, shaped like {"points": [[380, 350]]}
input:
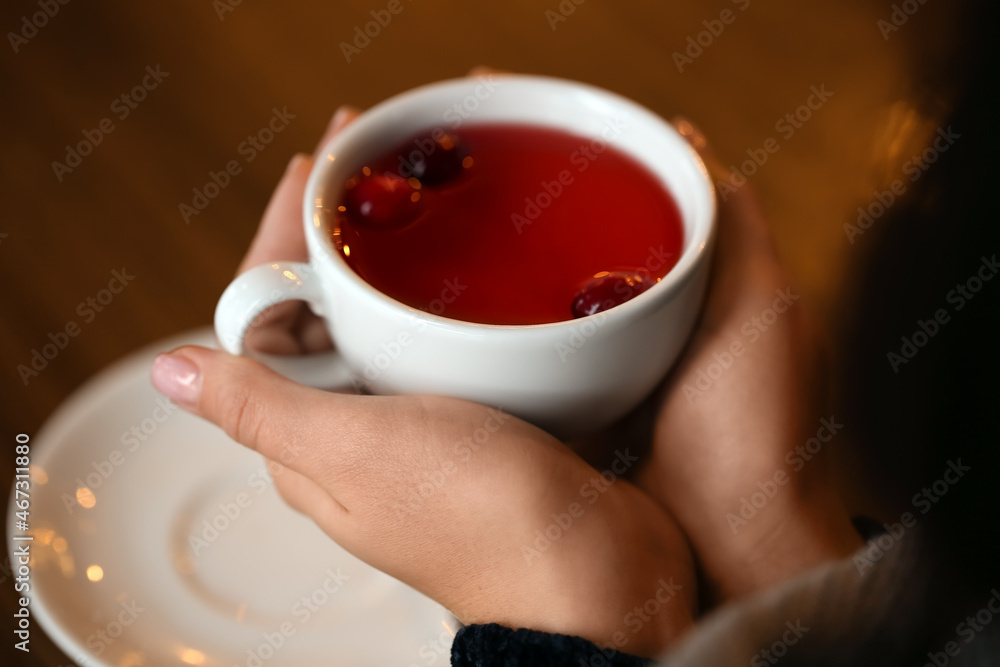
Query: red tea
{"points": [[507, 224]]}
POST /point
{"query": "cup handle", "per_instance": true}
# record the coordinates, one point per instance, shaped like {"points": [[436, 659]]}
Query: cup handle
{"points": [[260, 288]]}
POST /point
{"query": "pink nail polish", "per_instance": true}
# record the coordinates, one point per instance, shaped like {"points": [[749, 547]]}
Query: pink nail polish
{"points": [[177, 378]]}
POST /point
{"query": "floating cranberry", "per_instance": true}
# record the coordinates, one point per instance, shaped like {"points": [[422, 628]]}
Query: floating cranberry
{"points": [[608, 290], [381, 200], [442, 158]]}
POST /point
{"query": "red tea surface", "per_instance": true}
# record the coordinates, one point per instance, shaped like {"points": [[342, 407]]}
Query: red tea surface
{"points": [[507, 224]]}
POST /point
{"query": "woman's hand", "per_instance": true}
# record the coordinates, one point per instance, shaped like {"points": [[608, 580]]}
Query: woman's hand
{"points": [[748, 391], [488, 515]]}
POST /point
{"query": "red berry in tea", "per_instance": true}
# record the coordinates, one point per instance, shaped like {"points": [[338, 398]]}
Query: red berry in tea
{"points": [[607, 290], [538, 213], [381, 200], [439, 158]]}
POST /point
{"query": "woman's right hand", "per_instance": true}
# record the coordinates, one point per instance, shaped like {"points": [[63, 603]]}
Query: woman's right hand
{"points": [[748, 391]]}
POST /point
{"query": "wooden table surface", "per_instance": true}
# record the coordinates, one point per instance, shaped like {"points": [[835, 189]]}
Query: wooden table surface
{"points": [[222, 67]]}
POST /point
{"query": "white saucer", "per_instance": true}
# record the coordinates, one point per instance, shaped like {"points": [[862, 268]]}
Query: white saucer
{"points": [[239, 599]]}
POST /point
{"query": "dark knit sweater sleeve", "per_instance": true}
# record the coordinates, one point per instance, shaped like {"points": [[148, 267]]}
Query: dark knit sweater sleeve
{"points": [[496, 646]]}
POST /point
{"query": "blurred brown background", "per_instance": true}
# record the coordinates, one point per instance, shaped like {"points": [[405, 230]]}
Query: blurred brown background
{"points": [[230, 64]]}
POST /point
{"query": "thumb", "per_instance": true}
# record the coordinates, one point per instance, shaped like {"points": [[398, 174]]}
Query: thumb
{"points": [[254, 405], [744, 232]]}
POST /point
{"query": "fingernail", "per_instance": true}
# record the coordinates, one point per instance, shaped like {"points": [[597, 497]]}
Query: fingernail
{"points": [[690, 132], [295, 162], [340, 118], [177, 378]]}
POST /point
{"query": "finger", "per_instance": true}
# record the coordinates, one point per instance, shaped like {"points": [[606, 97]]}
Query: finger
{"points": [[483, 70], [324, 436], [343, 117], [304, 495], [287, 329], [274, 330], [741, 219], [745, 265], [280, 236], [311, 333]]}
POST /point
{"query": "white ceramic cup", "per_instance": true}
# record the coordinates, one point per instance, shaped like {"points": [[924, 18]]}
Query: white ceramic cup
{"points": [[568, 377]]}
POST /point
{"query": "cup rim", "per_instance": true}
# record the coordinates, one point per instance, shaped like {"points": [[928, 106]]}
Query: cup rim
{"points": [[666, 289]]}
